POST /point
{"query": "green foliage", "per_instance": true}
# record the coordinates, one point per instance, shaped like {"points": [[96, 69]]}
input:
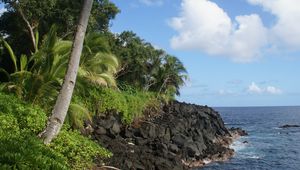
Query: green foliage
{"points": [[21, 149], [42, 14], [97, 64], [77, 114], [130, 103], [28, 152], [39, 77], [27, 117], [79, 150], [145, 67], [8, 126]]}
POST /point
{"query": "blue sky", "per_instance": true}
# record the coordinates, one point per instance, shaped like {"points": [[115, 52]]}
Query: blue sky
{"points": [[237, 53], [263, 73]]}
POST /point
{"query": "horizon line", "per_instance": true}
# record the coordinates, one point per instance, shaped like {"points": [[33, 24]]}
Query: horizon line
{"points": [[259, 106]]}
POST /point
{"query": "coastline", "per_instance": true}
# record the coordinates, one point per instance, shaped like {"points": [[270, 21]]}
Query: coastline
{"points": [[182, 136], [226, 141]]}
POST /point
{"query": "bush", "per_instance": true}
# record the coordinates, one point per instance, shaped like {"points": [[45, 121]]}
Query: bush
{"points": [[28, 117], [28, 152], [130, 103], [79, 150], [21, 149]]}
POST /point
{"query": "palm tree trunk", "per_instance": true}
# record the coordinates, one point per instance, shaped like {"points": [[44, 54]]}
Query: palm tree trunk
{"points": [[60, 109]]}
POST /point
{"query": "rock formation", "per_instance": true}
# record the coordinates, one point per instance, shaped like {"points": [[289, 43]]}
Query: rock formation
{"points": [[183, 136]]}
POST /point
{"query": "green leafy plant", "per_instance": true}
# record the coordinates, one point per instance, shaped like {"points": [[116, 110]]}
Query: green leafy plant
{"points": [[129, 103], [22, 149], [79, 150]]}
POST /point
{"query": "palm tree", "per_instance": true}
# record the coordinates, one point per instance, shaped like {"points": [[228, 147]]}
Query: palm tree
{"points": [[64, 98], [97, 66], [39, 82], [171, 76], [38, 78]]}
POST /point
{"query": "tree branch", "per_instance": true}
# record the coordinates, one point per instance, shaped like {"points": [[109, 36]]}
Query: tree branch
{"points": [[29, 27]]}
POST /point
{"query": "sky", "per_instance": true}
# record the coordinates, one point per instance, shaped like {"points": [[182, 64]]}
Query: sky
{"points": [[237, 53]]}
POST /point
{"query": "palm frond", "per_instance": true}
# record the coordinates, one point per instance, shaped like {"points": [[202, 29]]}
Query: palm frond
{"points": [[23, 63], [77, 114], [11, 54]]}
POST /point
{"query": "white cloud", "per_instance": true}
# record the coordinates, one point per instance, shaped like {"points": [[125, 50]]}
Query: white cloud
{"points": [[203, 25], [286, 30], [152, 2], [253, 88], [273, 90]]}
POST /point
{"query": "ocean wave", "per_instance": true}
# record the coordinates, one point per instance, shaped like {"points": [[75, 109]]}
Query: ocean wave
{"points": [[235, 124], [238, 146], [253, 157]]}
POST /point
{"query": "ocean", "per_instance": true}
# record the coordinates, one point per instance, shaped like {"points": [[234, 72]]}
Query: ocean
{"points": [[268, 147]]}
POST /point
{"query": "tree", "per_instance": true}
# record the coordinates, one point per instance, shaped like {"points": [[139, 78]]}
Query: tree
{"points": [[24, 18], [171, 76], [146, 67], [60, 109]]}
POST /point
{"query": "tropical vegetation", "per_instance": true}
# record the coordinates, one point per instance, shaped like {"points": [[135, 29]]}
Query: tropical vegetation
{"points": [[117, 73]]}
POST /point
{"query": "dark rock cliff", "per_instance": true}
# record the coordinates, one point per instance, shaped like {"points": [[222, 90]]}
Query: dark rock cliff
{"points": [[181, 137]]}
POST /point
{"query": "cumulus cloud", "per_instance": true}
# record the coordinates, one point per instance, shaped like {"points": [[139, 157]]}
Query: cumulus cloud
{"points": [[286, 30], [273, 90], [152, 2], [203, 25], [253, 88]]}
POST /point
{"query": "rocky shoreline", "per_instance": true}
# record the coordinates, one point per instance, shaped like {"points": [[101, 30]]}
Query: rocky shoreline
{"points": [[182, 136]]}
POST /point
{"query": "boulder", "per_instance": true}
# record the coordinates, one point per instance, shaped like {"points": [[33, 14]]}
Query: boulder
{"points": [[289, 126], [180, 132], [101, 131], [116, 129], [173, 148]]}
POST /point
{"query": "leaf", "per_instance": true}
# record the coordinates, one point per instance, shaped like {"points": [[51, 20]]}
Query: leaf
{"points": [[11, 54], [23, 63], [37, 40], [77, 114]]}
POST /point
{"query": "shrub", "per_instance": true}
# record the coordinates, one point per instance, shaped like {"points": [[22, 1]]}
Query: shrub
{"points": [[130, 103], [28, 117], [79, 150], [28, 152], [21, 149]]}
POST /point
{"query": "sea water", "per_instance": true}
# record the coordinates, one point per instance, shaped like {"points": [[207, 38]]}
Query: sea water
{"points": [[267, 147]]}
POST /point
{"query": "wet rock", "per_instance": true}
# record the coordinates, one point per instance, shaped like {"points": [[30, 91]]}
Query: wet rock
{"points": [[167, 136], [173, 148], [289, 126], [116, 128], [179, 140], [192, 149], [180, 132], [238, 131], [101, 131]]}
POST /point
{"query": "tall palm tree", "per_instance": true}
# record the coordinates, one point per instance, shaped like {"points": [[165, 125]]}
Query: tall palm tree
{"points": [[64, 98], [171, 76]]}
